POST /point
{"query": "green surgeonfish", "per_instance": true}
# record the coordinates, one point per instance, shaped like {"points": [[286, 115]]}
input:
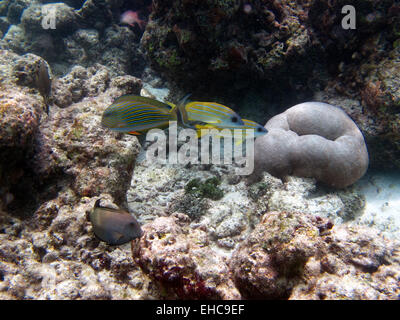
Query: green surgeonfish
{"points": [[114, 226], [259, 130], [135, 114]]}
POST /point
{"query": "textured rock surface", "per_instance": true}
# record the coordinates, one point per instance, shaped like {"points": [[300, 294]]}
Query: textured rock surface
{"points": [[66, 262], [21, 109], [83, 35], [68, 161], [296, 256], [365, 76], [313, 139], [230, 219], [180, 260], [266, 56], [73, 143], [33, 17], [192, 41]]}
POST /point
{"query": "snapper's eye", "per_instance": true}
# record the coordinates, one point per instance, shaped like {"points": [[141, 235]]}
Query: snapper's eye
{"points": [[235, 119], [260, 130]]}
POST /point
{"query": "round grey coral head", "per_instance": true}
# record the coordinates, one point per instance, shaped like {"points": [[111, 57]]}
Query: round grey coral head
{"points": [[313, 139]]}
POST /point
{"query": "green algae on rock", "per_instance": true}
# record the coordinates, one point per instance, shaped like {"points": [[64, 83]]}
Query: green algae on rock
{"points": [[207, 189]]}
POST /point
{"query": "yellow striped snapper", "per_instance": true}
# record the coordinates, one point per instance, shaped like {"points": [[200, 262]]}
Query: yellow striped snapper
{"points": [[259, 130], [195, 112], [135, 114]]}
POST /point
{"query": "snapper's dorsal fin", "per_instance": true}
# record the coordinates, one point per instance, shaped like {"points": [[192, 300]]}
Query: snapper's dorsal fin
{"points": [[184, 99]]}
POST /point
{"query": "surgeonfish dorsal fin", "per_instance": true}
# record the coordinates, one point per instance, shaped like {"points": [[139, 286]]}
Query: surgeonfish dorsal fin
{"points": [[97, 203], [164, 107]]}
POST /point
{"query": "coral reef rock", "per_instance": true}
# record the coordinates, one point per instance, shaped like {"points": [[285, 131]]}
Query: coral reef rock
{"points": [[73, 145], [297, 256], [66, 162], [313, 139], [180, 260], [198, 41], [364, 65]]}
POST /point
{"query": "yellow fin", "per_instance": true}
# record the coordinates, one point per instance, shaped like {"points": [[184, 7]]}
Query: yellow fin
{"points": [[171, 104], [240, 141], [201, 133]]}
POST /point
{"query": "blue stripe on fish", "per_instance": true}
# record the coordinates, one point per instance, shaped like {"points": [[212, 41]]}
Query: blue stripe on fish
{"points": [[137, 109], [143, 119], [134, 113], [213, 112], [218, 108], [139, 112]]}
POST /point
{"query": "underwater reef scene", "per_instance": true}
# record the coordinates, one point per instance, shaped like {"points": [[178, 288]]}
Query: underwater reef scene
{"points": [[311, 90]]}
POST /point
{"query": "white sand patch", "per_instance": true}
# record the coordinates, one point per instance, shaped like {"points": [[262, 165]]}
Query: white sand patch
{"points": [[382, 209]]}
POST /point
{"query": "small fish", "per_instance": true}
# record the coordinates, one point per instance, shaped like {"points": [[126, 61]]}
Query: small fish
{"points": [[131, 17], [259, 130], [43, 83], [135, 115], [114, 226], [210, 113]]}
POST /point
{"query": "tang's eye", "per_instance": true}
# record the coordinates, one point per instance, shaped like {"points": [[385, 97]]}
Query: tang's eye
{"points": [[235, 119]]}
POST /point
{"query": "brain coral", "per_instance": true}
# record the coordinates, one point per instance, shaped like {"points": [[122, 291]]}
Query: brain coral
{"points": [[313, 139]]}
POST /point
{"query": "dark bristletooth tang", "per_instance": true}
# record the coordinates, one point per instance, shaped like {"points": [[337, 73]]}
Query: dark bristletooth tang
{"points": [[114, 226]]}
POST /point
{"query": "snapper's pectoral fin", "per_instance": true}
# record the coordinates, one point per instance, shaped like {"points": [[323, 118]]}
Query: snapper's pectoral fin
{"points": [[171, 104], [239, 142], [201, 133], [213, 121]]}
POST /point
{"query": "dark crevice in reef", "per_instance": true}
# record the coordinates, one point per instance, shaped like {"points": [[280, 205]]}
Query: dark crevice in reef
{"points": [[31, 191], [28, 188]]}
